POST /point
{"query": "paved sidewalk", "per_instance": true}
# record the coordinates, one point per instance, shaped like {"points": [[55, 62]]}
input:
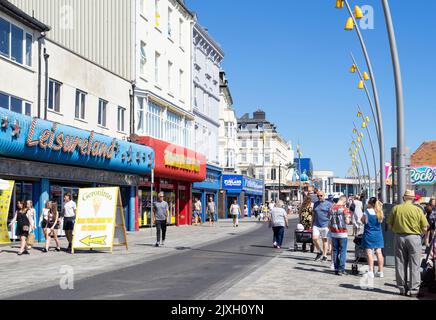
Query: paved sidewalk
{"points": [[296, 276], [42, 270]]}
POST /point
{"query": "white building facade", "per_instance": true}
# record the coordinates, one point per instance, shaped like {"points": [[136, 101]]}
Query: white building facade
{"points": [[228, 146], [264, 154], [163, 71], [207, 57]]}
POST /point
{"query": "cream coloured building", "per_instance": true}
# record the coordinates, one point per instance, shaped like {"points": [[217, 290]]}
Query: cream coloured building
{"points": [[264, 154], [228, 147]]}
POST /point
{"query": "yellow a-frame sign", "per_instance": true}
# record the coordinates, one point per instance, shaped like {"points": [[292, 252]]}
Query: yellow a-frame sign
{"points": [[100, 220]]}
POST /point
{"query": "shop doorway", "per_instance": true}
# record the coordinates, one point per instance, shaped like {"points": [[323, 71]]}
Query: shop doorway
{"points": [[145, 207], [230, 201], [170, 198], [23, 191], [214, 197], [199, 196], [57, 194], [183, 208]]}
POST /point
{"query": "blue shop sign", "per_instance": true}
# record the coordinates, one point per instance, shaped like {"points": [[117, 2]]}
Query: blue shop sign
{"points": [[253, 185], [232, 182], [35, 139], [212, 182]]}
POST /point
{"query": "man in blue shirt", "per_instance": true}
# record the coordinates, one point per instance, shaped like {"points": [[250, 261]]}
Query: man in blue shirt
{"points": [[320, 227]]}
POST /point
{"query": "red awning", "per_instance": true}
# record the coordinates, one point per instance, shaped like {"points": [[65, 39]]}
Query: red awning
{"points": [[175, 162]]}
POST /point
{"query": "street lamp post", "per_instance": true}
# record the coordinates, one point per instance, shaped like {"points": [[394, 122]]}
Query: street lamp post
{"points": [[401, 144], [377, 103], [366, 159], [372, 146]]}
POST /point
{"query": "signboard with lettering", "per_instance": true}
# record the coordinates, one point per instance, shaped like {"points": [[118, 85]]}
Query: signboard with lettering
{"points": [[253, 185], [35, 139], [6, 189], [100, 220], [423, 176], [233, 182]]}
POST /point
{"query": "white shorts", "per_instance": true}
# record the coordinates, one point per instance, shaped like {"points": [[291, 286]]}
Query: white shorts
{"points": [[322, 233]]}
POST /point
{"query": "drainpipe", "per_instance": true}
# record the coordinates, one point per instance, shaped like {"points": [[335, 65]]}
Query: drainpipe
{"points": [[40, 39], [132, 109], [46, 56]]}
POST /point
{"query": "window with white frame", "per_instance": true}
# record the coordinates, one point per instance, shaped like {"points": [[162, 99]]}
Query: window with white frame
{"points": [[244, 143], [255, 142], [170, 18], [181, 84], [15, 43], [156, 67], [230, 158], [54, 95], [143, 54], [121, 119], [181, 33], [174, 128], [154, 126], [15, 104], [267, 157], [102, 109], [243, 157], [80, 105], [195, 96], [255, 157], [170, 74], [187, 133], [141, 115]]}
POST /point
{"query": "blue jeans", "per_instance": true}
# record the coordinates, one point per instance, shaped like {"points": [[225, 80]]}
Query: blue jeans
{"points": [[279, 233], [340, 253]]}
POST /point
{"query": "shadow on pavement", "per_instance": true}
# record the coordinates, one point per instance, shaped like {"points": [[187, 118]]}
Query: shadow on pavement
{"points": [[326, 272], [375, 290]]}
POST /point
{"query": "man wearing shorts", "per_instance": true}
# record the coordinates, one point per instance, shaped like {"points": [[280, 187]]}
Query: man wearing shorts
{"points": [[320, 227], [211, 209], [69, 218]]}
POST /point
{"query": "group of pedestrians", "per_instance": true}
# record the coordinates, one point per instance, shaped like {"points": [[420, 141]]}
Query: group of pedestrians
{"points": [[50, 222], [411, 224], [211, 209]]}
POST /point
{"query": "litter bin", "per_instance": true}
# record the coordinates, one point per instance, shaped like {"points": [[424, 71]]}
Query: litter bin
{"points": [[389, 238]]}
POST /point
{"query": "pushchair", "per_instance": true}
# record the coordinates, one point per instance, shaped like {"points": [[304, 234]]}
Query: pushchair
{"points": [[359, 253], [303, 237]]}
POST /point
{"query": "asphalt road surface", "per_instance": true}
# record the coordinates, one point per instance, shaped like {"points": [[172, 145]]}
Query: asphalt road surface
{"points": [[192, 274]]}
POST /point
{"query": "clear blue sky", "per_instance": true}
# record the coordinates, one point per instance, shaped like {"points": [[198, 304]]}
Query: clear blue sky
{"points": [[291, 58]]}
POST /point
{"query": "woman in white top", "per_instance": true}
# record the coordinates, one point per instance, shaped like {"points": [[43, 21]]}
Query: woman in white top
{"points": [[235, 211], [32, 213], [44, 217]]}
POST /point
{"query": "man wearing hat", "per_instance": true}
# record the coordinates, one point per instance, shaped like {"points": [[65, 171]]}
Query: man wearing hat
{"points": [[408, 223]]}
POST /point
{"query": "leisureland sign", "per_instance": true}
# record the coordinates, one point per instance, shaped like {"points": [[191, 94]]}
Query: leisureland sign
{"points": [[232, 182], [423, 176], [35, 139]]}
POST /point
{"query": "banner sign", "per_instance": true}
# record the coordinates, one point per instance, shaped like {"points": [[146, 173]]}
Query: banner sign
{"points": [[100, 219], [423, 176], [35, 139], [253, 185], [233, 182], [6, 189]]}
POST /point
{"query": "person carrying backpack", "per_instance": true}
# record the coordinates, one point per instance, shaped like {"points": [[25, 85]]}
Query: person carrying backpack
{"points": [[339, 217]]}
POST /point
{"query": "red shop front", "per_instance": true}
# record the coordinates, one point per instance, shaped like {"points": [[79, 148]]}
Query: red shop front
{"points": [[176, 169]]}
